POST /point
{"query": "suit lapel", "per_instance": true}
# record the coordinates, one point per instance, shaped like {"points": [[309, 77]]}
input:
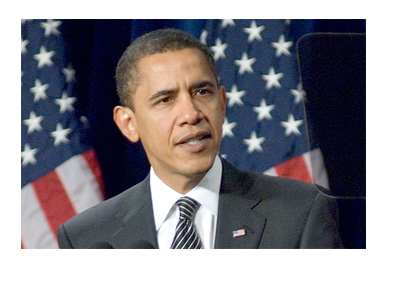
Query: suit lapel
{"points": [[137, 219], [236, 212]]}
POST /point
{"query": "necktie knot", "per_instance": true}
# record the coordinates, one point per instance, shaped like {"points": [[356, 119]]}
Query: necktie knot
{"points": [[185, 232], [187, 208]]}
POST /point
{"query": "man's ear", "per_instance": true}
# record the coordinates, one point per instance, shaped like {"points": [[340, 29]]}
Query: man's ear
{"points": [[223, 96], [125, 119]]}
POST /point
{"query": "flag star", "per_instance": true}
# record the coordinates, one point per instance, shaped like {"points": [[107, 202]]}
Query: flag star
{"points": [[219, 49], [235, 96], [227, 128], [298, 93], [24, 43], [44, 57], [65, 102], [33, 122], [254, 143], [60, 135], [28, 155], [245, 64], [272, 79], [69, 74], [39, 90], [282, 47], [224, 156], [51, 27], [264, 110], [84, 120], [227, 22], [292, 125], [23, 21], [203, 37], [254, 32]]}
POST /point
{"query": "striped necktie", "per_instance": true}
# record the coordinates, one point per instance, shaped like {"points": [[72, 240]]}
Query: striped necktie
{"points": [[185, 234]]}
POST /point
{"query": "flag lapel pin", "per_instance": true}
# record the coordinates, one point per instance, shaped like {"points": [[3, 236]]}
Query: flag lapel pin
{"points": [[239, 232]]}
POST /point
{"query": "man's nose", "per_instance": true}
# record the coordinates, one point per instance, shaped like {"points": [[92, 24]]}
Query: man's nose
{"points": [[189, 112]]}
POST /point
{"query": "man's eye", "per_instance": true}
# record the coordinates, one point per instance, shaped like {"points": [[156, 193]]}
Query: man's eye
{"points": [[203, 91], [164, 100]]}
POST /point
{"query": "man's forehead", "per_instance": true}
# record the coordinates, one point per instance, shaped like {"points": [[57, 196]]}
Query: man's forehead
{"points": [[190, 58]]}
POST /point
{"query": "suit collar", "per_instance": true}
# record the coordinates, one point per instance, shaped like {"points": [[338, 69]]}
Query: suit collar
{"points": [[236, 211], [136, 217]]}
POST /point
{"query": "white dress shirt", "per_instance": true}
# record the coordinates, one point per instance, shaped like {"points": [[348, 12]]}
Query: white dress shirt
{"points": [[166, 212]]}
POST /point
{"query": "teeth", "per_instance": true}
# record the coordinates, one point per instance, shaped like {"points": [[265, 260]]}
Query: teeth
{"points": [[192, 142]]}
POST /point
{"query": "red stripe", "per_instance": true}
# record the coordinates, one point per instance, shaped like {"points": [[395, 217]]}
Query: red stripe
{"points": [[22, 245], [53, 200], [295, 168], [93, 163]]}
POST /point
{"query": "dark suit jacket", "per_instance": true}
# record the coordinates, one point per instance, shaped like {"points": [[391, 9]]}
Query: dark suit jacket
{"points": [[275, 213]]}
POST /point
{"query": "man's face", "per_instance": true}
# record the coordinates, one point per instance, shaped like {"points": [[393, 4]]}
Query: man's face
{"points": [[179, 112]]}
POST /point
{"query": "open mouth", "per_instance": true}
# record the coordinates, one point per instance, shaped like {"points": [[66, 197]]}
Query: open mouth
{"points": [[195, 142]]}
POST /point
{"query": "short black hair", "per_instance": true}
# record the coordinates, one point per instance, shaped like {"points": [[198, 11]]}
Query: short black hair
{"points": [[158, 41]]}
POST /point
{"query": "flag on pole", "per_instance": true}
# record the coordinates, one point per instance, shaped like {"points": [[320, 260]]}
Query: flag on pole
{"points": [[60, 175], [265, 125]]}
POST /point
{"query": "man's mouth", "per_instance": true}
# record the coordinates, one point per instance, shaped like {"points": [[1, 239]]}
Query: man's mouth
{"points": [[195, 142]]}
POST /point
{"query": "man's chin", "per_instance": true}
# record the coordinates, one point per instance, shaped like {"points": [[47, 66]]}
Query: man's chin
{"points": [[198, 167]]}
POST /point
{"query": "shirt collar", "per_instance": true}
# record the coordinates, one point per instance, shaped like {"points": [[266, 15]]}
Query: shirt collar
{"points": [[206, 193]]}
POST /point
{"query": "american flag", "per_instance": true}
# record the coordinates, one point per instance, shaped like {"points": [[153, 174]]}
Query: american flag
{"points": [[239, 232], [265, 124], [60, 175]]}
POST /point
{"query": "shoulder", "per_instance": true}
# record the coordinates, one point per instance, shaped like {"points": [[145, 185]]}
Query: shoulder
{"points": [[265, 186], [90, 223], [111, 207]]}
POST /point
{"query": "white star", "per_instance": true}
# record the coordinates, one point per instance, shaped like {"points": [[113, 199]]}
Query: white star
{"points": [[235, 96], [245, 64], [203, 37], [282, 47], [254, 32], [24, 43], [227, 22], [65, 102], [23, 21], [298, 93], [272, 79], [39, 90], [254, 143], [44, 57], [292, 125], [28, 155], [33, 122], [60, 135], [219, 49], [50, 27], [227, 128], [264, 110], [69, 74]]}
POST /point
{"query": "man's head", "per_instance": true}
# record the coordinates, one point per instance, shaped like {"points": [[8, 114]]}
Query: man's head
{"points": [[159, 41], [179, 111]]}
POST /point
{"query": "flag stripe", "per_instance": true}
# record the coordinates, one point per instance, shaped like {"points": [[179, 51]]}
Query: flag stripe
{"points": [[318, 172], [59, 177], [35, 230], [80, 183], [91, 160], [53, 200], [295, 168]]}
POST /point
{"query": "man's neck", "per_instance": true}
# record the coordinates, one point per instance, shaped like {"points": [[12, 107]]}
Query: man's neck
{"points": [[181, 183]]}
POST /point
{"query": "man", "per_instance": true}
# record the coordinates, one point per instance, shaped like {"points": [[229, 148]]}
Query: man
{"points": [[172, 102]]}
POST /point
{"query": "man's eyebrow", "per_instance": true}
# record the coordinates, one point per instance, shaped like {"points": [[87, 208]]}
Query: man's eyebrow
{"points": [[202, 84], [166, 92], [162, 93]]}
